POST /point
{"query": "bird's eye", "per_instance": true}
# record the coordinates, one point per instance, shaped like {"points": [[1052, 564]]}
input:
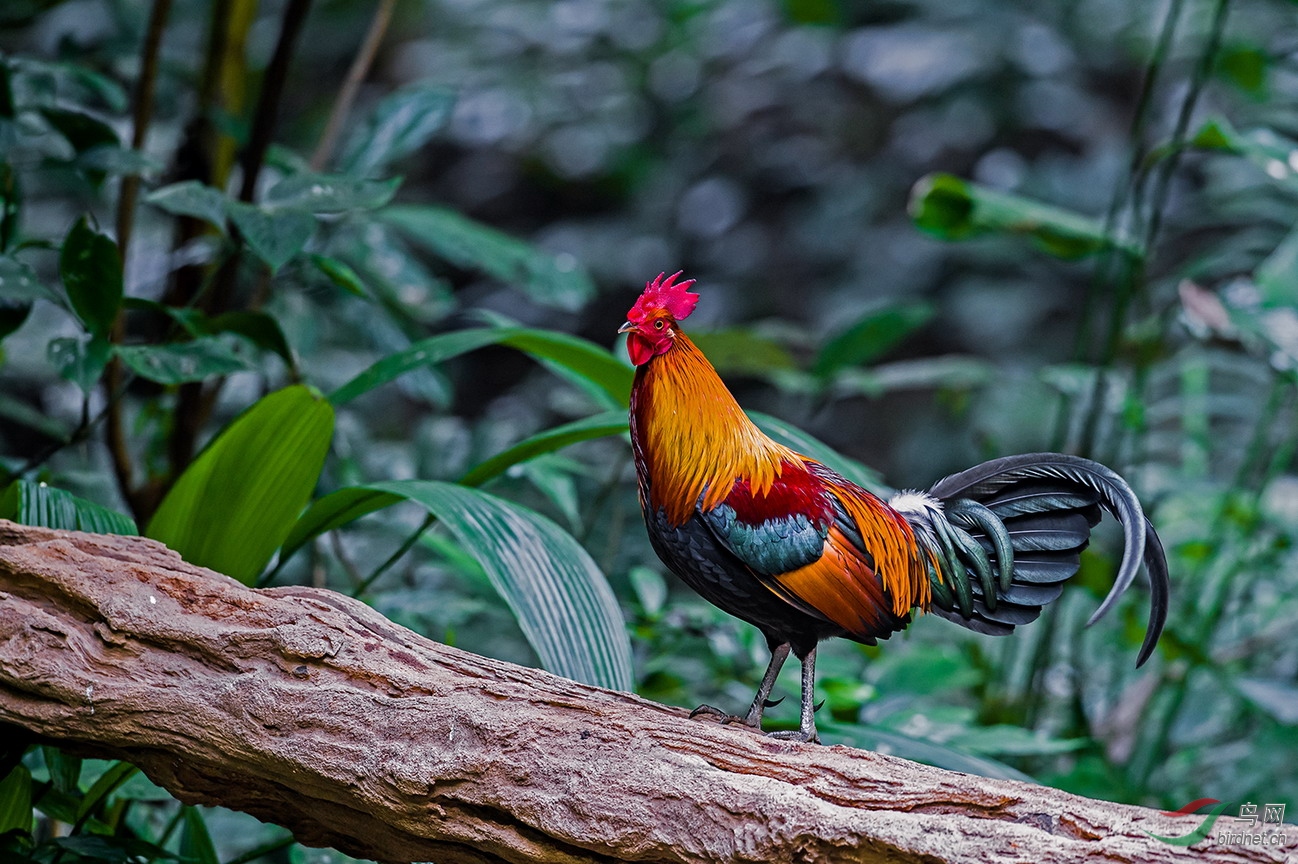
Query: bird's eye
{"points": [[659, 324]]}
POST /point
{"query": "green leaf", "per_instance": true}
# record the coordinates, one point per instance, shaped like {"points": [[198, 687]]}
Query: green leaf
{"points": [[1246, 66], [79, 360], [32, 503], [259, 328], [1275, 697], [552, 280], [20, 412], [882, 740], [953, 209], [791, 436], [276, 236], [236, 503], [332, 511], [110, 850], [18, 282], [949, 372], [16, 801], [103, 787], [115, 160], [872, 336], [81, 130], [180, 362], [1277, 276], [195, 840], [402, 122], [64, 768], [560, 597], [547, 441], [91, 268], [341, 275], [1264, 147], [13, 313], [584, 358], [741, 351], [324, 193], [191, 198]]}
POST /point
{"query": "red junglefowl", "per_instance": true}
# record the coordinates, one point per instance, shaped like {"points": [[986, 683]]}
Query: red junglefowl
{"points": [[794, 548]]}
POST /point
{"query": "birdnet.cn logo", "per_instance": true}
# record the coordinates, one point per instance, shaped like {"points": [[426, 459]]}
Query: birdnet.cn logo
{"points": [[1255, 824]]}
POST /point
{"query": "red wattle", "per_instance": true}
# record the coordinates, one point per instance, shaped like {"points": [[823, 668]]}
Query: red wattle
{"points": [[638, 348]]}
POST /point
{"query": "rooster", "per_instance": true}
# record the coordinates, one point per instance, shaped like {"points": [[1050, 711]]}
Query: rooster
{"points": [[797, 550]]}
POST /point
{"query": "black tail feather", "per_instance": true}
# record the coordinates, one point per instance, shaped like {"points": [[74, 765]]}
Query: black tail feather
{"points": [[1048, 503]]}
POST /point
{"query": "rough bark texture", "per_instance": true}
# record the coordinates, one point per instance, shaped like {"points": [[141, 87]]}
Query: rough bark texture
{"points": [[309, 709]]}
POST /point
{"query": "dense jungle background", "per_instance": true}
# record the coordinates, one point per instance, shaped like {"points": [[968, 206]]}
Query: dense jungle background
{"points": [[267, 268]]}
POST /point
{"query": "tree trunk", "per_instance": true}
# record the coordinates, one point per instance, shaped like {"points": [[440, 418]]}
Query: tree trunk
{"points": [[309, 709]]}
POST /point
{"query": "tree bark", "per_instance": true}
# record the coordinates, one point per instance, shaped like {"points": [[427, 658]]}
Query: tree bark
{"points": [[309, 709]]}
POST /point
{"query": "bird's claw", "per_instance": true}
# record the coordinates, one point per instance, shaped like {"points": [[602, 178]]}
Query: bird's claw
{"points": [[725, 717], [795, 735]]}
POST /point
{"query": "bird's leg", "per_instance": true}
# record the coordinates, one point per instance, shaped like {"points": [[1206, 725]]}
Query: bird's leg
{"points": [[779, 654], [807, 728]]}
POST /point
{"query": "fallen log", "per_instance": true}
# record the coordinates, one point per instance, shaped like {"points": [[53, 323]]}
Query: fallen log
{"points": [[308, 709]]}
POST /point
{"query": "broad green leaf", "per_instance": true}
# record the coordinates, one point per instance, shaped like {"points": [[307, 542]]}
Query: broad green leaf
{"points": [[86, 848], [341, 274], [236, 503], [893, 743], [18, 282], [195, 840], [872, 336], [1264, 147], [402, 122], [561, 599], [115, 160], [584, 358], [741, 351], [549, 279], [16, 800], [953, 209], [1002, 739], [324, 193], [105, 786], [394, 274], [91, 268], [191, 198], [64, 768], [547, 441], [950, 372], [17, 411], [1277, 275], [276, 236], [79, 360], [348, 504], [32, 503], [1273, 696], [332, 511], [81, 130], [791, 436], [259, 328], [180, 362], [13, 313]]}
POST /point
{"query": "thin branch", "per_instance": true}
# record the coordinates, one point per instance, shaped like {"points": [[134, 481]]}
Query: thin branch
{"points": [[351, 85], [268, 102], [142, 115]]}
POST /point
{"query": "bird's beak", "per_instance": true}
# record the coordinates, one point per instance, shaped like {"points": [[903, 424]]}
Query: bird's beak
{"points": [[626, 328]]}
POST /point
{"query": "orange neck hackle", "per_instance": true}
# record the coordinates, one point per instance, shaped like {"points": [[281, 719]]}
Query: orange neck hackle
{"points": [[691, 437]]}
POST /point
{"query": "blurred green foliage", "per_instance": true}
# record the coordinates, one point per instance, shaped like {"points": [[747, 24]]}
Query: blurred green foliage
{"points": [[926, 233]]}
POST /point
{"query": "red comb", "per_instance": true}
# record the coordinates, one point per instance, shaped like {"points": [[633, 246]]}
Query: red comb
{"points": [[665, 293]]}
